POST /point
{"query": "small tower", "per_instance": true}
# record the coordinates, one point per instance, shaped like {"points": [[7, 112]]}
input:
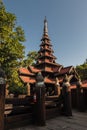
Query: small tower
{"points": [[46, 60], [46, 57]]}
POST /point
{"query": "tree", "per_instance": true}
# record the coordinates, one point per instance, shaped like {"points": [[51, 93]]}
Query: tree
{"points": [[12, 54], [11, 37], [31, 58], [82, 70], [11, 48]]}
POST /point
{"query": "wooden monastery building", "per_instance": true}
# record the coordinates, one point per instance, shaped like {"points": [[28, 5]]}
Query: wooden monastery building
{"points": [[46, 64]]}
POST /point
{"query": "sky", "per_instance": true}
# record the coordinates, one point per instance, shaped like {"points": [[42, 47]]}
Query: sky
{"points": [[67, 26]]}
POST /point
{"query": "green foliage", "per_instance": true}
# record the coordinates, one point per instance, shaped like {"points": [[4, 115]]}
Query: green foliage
{"points": [[31, 58], [11, 48], [15, 85], [16, 90], [11, 38], [82, 71]]}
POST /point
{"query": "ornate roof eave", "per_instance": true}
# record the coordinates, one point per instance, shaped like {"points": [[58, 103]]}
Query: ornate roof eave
{"points": [[45, 49], [48, 80], [25, 71], [33, 69], [30, 80], [42, 56], [47, 70], [45, 62], [43, 43], [45, 36], [57, 69], [26, 79], [67, 70]]}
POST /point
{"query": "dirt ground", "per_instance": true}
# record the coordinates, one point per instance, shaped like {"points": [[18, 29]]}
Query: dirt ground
{"points": [[77, 122]]}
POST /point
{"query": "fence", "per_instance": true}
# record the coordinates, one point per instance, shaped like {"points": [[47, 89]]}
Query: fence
{"points": [[54, 106], [18, 111], [22, 111], [79, 99]]}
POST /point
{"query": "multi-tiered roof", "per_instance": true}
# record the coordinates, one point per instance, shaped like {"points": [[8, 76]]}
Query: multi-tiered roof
{"points": [[46, 59], [46, 64]]}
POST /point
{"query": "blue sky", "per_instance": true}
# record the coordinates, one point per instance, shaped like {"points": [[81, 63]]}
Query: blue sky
{"points": [[67, 26]]}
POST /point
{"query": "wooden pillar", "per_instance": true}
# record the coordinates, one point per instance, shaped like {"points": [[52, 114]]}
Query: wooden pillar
{"points": [[57, 87], [40, 118], [6, 91], [2, 98], [67, 97], [80, 96], [28, 89]]}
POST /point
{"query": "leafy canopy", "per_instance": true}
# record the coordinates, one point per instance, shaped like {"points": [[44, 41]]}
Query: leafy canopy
{"points": [[11, 38], [82, 70], [30, 59], [11, 48], [12, 54]]}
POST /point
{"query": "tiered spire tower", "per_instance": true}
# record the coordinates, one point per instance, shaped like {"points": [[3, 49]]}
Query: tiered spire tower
{"points": [[46, 64], [46, 60]]}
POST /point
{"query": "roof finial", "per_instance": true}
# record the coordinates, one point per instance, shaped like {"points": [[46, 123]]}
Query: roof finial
{"points": [[45, 26]]}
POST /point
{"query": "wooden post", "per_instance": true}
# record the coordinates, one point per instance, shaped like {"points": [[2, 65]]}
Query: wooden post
{"points": [[28, 89], [40, 117], [67, 97], [80, 96], [6, 91], [57, 87], [2, 98]]}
